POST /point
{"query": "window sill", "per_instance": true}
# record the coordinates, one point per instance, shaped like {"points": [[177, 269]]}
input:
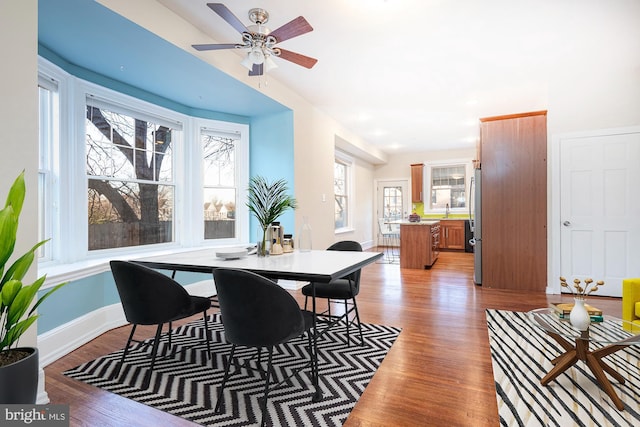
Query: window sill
{"points": [[59, 273]]}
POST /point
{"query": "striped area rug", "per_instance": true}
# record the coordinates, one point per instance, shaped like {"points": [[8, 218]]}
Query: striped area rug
{"points": [[521, 355], [186, 383]]}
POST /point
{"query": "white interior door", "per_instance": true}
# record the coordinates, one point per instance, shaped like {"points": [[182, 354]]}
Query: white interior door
{"points": [[392, 201], [600, 209]]}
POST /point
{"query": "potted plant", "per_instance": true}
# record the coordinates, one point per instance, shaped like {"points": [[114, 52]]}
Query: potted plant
{"points": [[18, 365], [267, 201]]}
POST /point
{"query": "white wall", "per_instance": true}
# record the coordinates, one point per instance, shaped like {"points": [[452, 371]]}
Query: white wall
{"points": [[19, 118], [596, 85]]}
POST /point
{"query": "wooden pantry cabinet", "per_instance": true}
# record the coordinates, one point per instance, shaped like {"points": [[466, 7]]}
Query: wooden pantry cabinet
{"points": [[514, 201]]}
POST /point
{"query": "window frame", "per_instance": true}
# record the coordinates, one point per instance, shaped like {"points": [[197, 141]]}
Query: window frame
{"points": [[241, 179], [348, 161], [70, 258], [427, 183], [48, 141]]}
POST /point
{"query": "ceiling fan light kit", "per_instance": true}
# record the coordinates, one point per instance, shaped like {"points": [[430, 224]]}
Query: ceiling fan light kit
{"points": [[259, 42]]}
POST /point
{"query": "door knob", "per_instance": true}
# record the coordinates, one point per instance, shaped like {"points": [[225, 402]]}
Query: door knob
{"points": [[566, 223]]}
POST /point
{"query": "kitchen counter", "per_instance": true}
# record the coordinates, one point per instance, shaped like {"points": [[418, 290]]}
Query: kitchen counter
{"points": [[423, 222]]}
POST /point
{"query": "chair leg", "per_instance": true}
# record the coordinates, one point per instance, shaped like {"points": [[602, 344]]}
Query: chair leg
{"points": [[355, 306], [266, 386], [207, 335], [306, 299], [346, 318], [312, 356], [154, 352], [124, 354], [224, 380]]}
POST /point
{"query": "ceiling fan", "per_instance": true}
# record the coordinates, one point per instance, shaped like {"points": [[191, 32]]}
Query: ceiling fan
{"points": [[259, 41]]}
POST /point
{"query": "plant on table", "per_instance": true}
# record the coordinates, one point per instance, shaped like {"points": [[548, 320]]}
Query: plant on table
{"points": [[267, 201], [16, 297]]}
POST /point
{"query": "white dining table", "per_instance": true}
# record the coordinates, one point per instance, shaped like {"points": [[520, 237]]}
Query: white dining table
{"points": [[313, 266]]}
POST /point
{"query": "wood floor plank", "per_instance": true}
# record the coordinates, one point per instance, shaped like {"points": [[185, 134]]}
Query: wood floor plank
{"points": [[437, 373]]}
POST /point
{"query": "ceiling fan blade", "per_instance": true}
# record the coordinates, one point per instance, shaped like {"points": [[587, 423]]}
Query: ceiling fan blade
{"points": [[258, 70], [214, 46], [292, 29], [302, 60], [228, 16]]}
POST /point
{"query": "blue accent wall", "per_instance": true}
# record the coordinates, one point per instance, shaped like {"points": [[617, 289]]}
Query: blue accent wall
{"points": [[271, 155], [81, 297], [76, 299]]}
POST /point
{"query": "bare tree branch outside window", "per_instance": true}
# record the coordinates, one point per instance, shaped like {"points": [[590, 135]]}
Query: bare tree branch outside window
{"points": [[130, 180], [219, 167]]}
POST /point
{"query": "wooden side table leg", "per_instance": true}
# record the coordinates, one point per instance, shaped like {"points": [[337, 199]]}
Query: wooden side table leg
{"points": [[605, 351], [609, 370], [564, 362], [595, 367]]}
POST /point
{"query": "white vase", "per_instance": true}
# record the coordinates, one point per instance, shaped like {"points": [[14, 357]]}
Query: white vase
{"points": [[579, 315]]}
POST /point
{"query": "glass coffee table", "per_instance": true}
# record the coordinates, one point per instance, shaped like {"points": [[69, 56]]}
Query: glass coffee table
{"points": [[609, 336]]}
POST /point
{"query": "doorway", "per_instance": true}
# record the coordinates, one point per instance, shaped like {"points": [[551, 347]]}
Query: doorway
{"points": [[597, 209], [392, 204]]}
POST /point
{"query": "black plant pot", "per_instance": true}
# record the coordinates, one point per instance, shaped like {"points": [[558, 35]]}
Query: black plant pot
{"points": [[19, 380]]}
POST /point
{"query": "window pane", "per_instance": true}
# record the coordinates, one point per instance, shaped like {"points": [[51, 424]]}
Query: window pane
{"points": [[219, 213], [127, 214], [340, 179], [128, 206], [448, 187], [341, 212], [340, 189], [219, 167], [47, 115], [392, 202], [219, 160]]}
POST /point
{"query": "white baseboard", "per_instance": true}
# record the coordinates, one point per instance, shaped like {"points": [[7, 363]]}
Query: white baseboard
{"points": [[62, 340], [367, 244]]}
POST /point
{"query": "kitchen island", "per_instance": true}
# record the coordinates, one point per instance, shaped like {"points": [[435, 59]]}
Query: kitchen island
{"points": [[419, 242]]}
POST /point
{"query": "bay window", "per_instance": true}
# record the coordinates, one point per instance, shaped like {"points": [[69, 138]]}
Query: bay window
{"points": [[132, 176]]}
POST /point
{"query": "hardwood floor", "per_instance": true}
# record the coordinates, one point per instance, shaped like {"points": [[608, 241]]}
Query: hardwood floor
{"points": [[438, 372]]}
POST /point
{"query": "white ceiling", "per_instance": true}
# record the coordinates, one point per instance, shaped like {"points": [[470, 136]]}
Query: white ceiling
{"points": [[414, 75]]}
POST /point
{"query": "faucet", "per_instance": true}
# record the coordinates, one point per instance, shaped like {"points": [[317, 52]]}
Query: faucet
{"points": [[446, 211]]}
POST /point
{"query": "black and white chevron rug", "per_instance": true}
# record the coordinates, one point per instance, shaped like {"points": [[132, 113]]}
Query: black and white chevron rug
{"points": [[185, 383], [521, 355]]}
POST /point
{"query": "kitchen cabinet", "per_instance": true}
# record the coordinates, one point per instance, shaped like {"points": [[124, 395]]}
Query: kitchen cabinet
{"points": [[417, 194], [419, 244], [514, 201], [452, 234]]}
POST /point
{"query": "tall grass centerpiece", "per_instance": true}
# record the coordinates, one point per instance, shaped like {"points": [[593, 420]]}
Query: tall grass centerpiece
{"points": [[267, 202]]}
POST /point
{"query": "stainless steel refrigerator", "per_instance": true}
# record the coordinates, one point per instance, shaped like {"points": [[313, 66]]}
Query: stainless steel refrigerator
{"points": [[475, 223]]}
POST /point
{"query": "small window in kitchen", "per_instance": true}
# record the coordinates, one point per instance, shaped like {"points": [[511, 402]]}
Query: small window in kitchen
{"points": [[448, 184]]}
